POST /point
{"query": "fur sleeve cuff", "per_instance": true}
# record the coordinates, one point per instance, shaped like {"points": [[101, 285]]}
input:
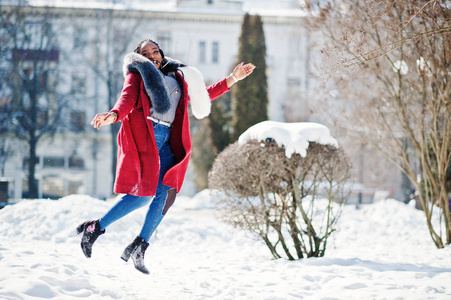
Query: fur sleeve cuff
{"points": [[199, 98]]}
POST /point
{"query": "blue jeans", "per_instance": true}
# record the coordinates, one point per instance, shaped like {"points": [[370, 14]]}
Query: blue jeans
{"points": [[129, 203]]}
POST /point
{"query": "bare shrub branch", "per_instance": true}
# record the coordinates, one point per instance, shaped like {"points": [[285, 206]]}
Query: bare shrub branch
{"points": [[290, 203], [399, 100]]}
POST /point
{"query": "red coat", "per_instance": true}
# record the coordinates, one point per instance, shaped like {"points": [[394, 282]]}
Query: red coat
{"points": [[138, 163]]}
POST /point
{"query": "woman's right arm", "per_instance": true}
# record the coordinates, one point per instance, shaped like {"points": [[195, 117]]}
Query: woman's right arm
{"points": [[123, 106]]}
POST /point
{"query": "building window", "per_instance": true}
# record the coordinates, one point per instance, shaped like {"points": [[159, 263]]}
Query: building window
{"points": [[215, 53], [80, 38], [26, 163], [78, 120], [164, 41], [78, 84], [42, 118], [52, 186], [75, 187], [202, 52], [294, 82], [26, 60], [53, 162], [29, 72], [76, 162], [31, 55], [209, 1]]}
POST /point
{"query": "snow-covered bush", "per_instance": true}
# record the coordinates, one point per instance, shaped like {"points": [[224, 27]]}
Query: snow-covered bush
{"points": [[292, 203]]}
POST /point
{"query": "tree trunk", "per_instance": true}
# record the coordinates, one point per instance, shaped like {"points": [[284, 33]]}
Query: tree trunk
{"points": [[33, 140], [271, 247], [114, 133], [278, 229], [32, 183], [113, 127]]}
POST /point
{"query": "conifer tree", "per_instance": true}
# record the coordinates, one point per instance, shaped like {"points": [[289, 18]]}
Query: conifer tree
{"points": [[231, 117], [204, 154], [219, 123], [250, 98]]}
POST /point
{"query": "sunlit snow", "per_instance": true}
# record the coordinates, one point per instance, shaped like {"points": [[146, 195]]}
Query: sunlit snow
{"points": [[294, 136], [380, 251]]}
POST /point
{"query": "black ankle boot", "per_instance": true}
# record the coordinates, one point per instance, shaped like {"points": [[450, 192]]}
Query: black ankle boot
{"points": [[136, 251], [91, 231], [130, 248]]}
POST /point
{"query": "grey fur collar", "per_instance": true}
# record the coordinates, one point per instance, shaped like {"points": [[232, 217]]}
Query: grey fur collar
{"points": [[153, 80], [156, 86]]}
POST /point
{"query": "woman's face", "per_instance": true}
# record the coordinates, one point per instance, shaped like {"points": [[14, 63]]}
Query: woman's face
{"points": [[152, 52]]}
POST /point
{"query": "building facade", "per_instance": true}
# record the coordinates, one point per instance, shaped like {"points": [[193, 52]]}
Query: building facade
{"points": [[92, 40]]}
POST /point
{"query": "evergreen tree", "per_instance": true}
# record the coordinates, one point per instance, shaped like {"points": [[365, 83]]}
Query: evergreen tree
{"points": [[204, 154], [210, 137], [219, 123], [250, 99], [231, 117]]}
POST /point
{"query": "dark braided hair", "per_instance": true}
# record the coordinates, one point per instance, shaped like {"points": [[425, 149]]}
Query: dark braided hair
{"points": [[165, 65], [138, 48]]}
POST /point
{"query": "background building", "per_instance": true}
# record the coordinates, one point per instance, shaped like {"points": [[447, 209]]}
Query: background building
{"points": [[93, 37]]}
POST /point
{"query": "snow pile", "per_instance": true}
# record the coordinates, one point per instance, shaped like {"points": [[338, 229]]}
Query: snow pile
{"points": [[380, 251], [294, 136]]}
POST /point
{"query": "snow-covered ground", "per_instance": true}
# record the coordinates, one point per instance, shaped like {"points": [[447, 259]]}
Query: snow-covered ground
{"points": [[380, 251]]}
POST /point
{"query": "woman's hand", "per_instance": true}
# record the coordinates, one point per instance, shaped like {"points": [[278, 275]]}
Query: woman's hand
{"points": [[240, 72], [104, 119]]}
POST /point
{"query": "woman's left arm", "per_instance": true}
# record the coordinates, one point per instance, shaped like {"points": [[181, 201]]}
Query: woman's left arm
{"points": [[240, 72]]}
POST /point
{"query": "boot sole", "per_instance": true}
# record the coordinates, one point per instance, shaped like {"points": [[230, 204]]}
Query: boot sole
{"points": [[125, 257], [147, 272]]}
